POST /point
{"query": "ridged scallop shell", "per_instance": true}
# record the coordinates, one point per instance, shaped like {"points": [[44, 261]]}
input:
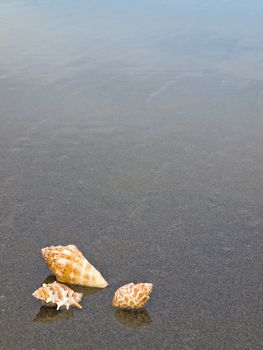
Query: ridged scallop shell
{"points": [[132, 296], [69, 265], [58, 294]]}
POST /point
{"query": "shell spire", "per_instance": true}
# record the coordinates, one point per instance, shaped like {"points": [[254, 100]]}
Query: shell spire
{"points": [[132, 296], [58, 294], [69, 265]]}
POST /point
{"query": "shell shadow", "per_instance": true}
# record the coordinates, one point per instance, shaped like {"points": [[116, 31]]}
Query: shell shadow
{"points": [[133, 318], [86, 291], [49, 279], [50, 314]]}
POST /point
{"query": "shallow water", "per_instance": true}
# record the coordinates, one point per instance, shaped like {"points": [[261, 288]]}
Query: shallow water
{"points": [[134, 130]]}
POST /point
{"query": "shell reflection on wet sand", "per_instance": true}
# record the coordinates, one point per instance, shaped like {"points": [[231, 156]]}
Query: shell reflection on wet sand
{"points": [[69, 265], [132, 296], [48, 314], [58, 294], [133, 318]]}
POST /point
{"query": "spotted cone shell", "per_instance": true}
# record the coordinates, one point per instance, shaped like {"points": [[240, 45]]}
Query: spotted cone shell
{"points": [[69, 265], [58, 294], [132, 296]]}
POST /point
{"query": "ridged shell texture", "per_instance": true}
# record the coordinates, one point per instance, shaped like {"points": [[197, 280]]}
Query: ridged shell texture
{"points": [[132, 296], [69, 265], [58, 294]]}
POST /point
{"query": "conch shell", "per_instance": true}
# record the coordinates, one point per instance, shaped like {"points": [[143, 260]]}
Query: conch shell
{"points": [[69, 265], [132, 296], [58, 294]]}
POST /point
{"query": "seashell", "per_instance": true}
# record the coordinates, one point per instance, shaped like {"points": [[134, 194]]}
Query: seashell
{"points": [[132, 296], [58, 294], [69, 265]]}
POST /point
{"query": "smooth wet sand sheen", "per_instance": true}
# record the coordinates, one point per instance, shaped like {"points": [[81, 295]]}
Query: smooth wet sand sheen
{"points": [[134, 129]]}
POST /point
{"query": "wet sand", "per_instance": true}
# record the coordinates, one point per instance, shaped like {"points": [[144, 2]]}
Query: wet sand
{"points": [[134, 131]]}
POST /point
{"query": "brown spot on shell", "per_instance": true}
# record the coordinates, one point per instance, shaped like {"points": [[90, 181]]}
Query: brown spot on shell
{"points": [[69, 265], [131, 296]]}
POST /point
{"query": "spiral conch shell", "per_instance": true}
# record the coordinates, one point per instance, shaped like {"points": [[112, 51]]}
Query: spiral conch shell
{"points": [[132, 296], [58, 294], [69, 265]]}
